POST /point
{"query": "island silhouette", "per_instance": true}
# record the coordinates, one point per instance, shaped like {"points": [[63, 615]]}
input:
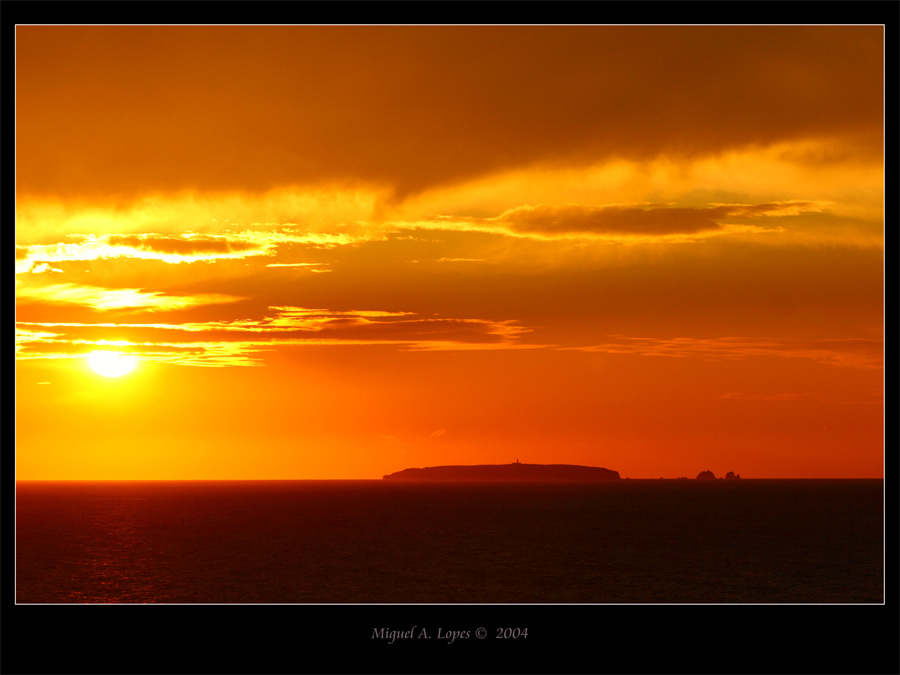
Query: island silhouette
{"points": [[506, 472]]}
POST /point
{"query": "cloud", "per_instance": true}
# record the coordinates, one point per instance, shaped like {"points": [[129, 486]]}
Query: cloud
{"points": [[618, 222], [563, 220], [850, 352], [296, 265], [147, 247], [184, 248], [771, 209], [34, 345], [104, 299], [753, 183], [103, 110], [40, 268], [241, 341]]}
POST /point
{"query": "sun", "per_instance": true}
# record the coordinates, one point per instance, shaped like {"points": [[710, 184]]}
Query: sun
{"points": [[111, 364]]}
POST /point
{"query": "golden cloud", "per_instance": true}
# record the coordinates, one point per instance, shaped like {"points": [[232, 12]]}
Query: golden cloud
{"points": [[175, 249], [104, 299], [220, 342]]}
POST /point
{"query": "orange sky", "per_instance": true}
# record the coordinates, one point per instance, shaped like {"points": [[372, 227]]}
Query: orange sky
{"points": [[338, 252]]}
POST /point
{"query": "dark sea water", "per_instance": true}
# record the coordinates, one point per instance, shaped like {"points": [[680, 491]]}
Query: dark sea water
{"points": [[629, 541]]}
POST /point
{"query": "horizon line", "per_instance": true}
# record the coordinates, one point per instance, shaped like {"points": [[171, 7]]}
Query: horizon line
{"points": [[259, 480]]}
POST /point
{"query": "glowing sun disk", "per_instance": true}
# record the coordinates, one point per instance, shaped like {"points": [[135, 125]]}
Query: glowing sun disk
{"points": [[111, 364]]}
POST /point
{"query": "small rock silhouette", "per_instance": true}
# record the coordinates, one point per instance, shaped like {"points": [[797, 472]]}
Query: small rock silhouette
{"points": [[706, 475]]}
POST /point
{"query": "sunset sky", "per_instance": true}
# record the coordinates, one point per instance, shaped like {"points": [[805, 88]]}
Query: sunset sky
{"points": [[338, 252]]}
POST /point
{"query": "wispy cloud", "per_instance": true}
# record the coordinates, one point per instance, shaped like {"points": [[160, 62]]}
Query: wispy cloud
{"points": [[619, 223], [104, 299], [296, 265], [242, 341], [851, 352], [182, 248], [40, 268], [629, 223]]}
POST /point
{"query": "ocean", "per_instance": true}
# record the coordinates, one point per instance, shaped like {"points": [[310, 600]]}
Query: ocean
{"points": [[357, 542]]}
